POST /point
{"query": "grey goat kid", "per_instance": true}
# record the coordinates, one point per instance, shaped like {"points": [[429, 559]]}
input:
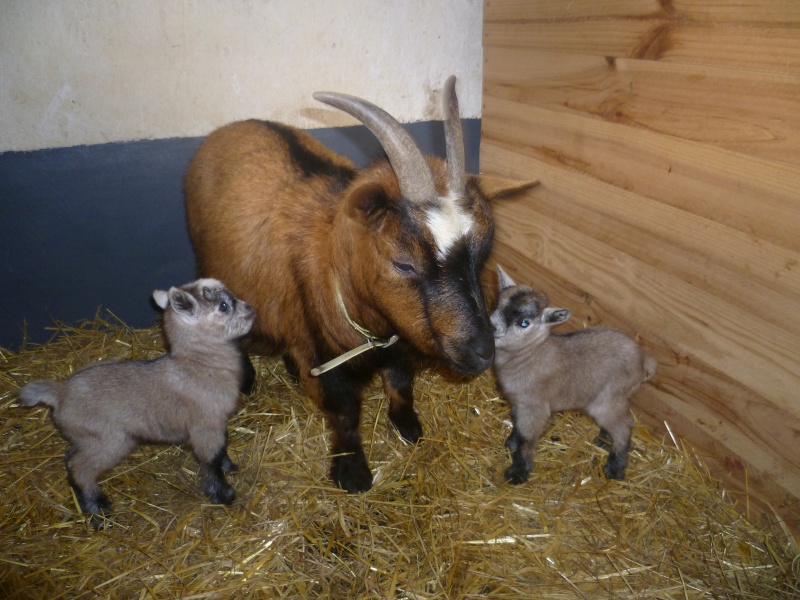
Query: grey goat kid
{"points": [[105, 410], [595, 370]]}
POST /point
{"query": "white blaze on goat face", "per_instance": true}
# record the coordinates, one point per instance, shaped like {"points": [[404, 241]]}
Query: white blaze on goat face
{"points": [[209, 282], [448, 222]]}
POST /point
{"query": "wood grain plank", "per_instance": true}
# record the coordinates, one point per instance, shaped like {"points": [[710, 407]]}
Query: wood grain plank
{"points": [[533, 10], [754, 196], [773, 48], [617, 38], [757, 354], [760, 493], [745, 111], [774, 11], [715, 259], [769, 49], [733, 265], [783, 12]]}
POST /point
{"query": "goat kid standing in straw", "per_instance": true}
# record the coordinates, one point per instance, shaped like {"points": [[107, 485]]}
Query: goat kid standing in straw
{"points": [[107, 409], [595, 370]]}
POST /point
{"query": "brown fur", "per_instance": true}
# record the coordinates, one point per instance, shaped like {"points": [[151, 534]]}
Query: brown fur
{"points": [[283, 223], [105, 410], [595, 370]]}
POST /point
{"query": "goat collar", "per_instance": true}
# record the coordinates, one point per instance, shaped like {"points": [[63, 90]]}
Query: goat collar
{"points": [[373, 341]]}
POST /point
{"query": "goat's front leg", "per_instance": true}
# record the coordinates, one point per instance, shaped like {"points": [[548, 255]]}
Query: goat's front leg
{"points": [[529, 421], [210, 447], [341, 401], [398, 384], [226, 464], [515, 438], [521, 462]]}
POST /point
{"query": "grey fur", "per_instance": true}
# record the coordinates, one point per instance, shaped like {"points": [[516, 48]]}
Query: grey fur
{"points": [[105, 410], [595, 370]]}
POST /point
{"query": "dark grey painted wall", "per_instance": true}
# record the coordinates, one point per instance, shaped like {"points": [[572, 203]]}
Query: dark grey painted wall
{"points": [[104, 225]]}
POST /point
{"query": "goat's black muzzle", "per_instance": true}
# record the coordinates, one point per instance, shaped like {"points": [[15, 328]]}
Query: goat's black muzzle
{"points": [[476, 355]]}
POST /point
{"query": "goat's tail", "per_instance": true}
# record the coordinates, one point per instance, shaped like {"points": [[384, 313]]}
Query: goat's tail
{"points": [[40, 392], [649, 365]]}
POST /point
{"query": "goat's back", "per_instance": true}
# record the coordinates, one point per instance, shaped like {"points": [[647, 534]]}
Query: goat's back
{"points": [[147, 400], [570, 369], [259, 197]]}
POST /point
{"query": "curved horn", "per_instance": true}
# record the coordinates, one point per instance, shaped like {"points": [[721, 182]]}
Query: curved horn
{"points": [[454, 138], [413, 175]]}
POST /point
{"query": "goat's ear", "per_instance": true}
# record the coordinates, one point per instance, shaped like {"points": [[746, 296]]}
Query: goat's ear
{"points": [[183, 302], [497, 188], [503, 279], [554, 316], [367, 204], [161, 298]]}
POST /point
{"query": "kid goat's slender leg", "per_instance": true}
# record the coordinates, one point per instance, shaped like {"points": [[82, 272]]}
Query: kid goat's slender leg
{"points": [[530, 421], [85, 464], [210, 446], [227, 465], [617, 425]]}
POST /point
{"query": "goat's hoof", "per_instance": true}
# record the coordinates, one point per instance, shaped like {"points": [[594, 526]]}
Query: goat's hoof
{"points": [[100, 521], [220, 492], [96, 507], [516, 476], [612, 472], [100, 504], [351, 473], [408, 425], [99, 515]]}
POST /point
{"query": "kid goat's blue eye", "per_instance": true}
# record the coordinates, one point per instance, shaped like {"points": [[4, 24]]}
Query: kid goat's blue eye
{"points": [[524, 323], [223, 306]]}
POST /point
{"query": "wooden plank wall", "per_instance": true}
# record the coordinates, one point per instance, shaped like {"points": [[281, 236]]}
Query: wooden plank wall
{"points": [[666, 135]]}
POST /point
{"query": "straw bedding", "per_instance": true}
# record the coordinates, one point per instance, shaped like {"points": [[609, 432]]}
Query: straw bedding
{"points": [[439, 522]]}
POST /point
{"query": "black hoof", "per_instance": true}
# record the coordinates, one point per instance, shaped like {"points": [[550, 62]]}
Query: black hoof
{"points": [[616, 464], [407, 424], [516, 475], [224, 495], [100, 521], [613, 471], [98, 509], [351, 473], [219, 492]]}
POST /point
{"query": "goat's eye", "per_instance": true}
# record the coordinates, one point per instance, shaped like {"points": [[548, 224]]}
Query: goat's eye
{"points": [[223, 306], [404, 267], [524, 323]]}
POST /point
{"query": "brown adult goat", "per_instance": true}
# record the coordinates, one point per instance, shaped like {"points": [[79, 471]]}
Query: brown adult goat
{"points": [[329, 255]]}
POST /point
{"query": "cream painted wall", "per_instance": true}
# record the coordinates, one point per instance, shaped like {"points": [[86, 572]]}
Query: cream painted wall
{"points": [[93, 71]]}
